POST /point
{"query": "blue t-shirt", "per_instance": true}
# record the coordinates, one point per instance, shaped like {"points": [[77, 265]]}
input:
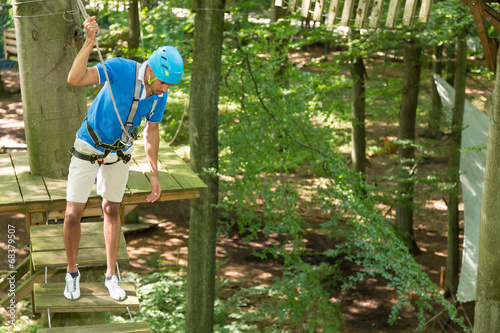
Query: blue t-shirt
{"points": [[102, 115]]}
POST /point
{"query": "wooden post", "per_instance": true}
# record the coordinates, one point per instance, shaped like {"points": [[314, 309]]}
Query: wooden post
{"points": [[376, 13], [347, 12], [332, 12], [392, 14], [48, 38]]}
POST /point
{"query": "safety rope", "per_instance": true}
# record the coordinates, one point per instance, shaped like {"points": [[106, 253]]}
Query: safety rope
{"points": [[129, 138]]}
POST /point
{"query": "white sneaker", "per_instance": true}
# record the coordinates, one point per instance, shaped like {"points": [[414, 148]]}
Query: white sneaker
{"points": [[115, 290], [72, 290]]}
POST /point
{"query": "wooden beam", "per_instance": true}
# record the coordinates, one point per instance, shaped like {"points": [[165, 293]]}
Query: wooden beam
{"points": [[361, 13], [477, 10], [332, 12], [492, 17], [425, 11], [410, 7], [318, 10], [376, 13], [347, 13], [292, 5], [304, 10], [392, 14]]}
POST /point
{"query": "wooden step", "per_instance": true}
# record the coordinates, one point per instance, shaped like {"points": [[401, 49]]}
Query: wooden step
{"points": [[108, 328], [25, 288], [94, 297], [47, 246]]}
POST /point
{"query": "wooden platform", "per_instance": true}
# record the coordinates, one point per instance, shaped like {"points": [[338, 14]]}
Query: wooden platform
{"points": [[109, 328], [25, 193], [47, 246], [94, 297]]}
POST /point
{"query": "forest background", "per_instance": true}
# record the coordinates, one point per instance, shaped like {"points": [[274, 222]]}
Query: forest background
{"points": [[285, 156]]}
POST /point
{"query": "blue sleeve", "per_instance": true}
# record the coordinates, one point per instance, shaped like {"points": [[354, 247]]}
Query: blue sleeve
{"points": [[159, 110], [112, 66]]}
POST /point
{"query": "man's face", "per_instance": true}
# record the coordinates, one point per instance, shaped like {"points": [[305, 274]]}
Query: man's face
{"points": [[157, 86]]}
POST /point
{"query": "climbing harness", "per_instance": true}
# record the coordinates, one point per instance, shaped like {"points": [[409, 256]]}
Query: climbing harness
{"points": [[126, 139], [129, 139], [118, 145]]}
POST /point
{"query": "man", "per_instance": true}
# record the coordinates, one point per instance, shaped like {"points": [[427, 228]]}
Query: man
{"points": [[102, 147]]}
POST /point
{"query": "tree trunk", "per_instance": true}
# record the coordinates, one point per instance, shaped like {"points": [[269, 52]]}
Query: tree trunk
{"points": [[450, 64], [487, 311], [453, 258], [406, 148], [436, 111], [134, 30], [203, 127], [52, 109], [358, 135]]}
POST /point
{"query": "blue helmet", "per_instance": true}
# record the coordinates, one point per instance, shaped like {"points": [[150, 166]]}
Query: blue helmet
{"points": [[167, 64]]}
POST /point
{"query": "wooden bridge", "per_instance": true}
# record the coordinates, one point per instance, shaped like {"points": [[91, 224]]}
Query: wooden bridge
{"points": [[43, 199], [368, 14]]}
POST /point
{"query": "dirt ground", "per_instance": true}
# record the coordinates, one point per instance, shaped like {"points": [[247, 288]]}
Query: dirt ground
{"points": [[366, 307]]}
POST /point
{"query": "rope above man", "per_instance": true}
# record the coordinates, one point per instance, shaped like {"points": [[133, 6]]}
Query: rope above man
{"points": [[102, 148]]}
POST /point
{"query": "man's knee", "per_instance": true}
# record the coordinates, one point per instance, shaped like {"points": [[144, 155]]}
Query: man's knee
{"points": [[73, 214], [111, 209]]}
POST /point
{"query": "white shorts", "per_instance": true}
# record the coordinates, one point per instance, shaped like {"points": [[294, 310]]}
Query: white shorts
{"points": [[111, 179]]}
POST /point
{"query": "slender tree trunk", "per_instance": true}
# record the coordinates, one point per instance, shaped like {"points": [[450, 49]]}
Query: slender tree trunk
{"points": [[453, 258], [406, 148], [436, 111], [450, 64], [53, 110], [487, 311], [134, 30], [358, 134], [203, 111]]}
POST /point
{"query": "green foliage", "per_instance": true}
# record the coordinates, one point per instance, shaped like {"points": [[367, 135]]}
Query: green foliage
{"points": [[24, 323], [273, 131], [163, 297]]}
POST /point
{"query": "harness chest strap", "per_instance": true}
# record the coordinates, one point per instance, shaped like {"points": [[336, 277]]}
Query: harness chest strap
{"points": [[118, 145]]}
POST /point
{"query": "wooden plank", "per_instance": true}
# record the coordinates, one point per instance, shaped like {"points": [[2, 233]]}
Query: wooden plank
{"points": [[425, 11], [168, 183], [25, 288], [108, 328], [332, 12], [32, 188], [86, 257], [94, 297], [8, 182], [292, 5], [361, 13], [318, 10], [347, 13], [409, 12], [306, 6], [87, 241], [376, 13], [55, 230], [392, 14], [56, 188], [179, 169], [21, 269], [278, 3]]}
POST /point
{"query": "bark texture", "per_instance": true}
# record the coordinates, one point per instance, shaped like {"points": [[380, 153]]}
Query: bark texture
{"points": [[203, 116], [406, 148], [47, 43]]}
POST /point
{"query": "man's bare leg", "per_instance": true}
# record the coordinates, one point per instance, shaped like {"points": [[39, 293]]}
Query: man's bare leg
{"points": [[112, 227], [72, 232]]}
